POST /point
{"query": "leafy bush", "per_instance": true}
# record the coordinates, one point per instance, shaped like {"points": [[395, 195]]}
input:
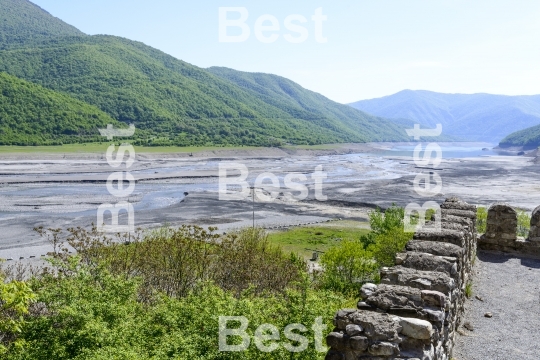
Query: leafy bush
{"points": [[15, 299], [388, 235], [351, 263], [174, 261], [388, 244], [347, 266], [90, 308]]}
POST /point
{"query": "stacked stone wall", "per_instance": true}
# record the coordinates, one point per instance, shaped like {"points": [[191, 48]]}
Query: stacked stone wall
{"points": [[502, 232], [415, 310]]}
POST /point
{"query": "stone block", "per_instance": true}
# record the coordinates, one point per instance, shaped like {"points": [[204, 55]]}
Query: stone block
{"points": [[416, 328], [423, 280]]}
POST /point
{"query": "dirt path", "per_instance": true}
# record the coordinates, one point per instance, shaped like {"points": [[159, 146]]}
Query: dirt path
{"points": [[510, 289]]}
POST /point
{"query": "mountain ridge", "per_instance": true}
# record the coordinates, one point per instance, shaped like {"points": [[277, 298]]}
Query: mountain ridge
{"points": [[480, 116], [15, 15], [173, 102]]}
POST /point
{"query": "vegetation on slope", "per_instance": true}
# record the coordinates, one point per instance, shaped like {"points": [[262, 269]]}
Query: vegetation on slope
{"points": [[303, 103], [22, 22], [33, 115], [180, 104], [528, 138], [173, 102]]}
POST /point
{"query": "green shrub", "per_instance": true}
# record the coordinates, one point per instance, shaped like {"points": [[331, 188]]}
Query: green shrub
{"points": [[388, 244], [93, 314], [174, 261], [347, 266], [469, 290], [15, 299], [388, 236]]}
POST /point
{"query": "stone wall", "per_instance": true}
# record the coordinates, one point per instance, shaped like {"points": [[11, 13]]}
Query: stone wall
{"points": [[415, 310], [501, 232]]}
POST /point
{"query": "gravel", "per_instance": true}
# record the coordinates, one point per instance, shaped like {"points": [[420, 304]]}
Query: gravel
{"points": [[509, 289]]}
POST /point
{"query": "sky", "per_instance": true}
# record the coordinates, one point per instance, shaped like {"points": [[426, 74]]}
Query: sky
{"points": [[354, 50]]}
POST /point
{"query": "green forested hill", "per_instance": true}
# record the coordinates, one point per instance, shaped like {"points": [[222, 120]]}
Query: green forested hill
{"points": [[172, 101], [31, 115], [22, 22], [300, 102], [528, 138]]}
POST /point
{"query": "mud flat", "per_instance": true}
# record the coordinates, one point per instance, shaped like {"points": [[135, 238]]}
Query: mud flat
{"points": [[64, 191]]}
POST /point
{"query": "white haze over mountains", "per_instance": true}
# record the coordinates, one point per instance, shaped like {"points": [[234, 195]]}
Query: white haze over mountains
{"points": [[477, 117]]}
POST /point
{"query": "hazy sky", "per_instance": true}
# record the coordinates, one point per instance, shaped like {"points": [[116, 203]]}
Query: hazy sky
{"points": [[374, 47]]}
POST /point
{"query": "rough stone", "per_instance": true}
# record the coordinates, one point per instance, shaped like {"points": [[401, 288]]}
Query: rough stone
{"points": [[359, 343], [423, 280], [383, 349], [433, 298], [377, 326], [416, 328], [428, 262], [367, 290], [534, 232], [335, 341], [501, 222], [353, 329], [445, 235], [460, 213], [435, 248]]}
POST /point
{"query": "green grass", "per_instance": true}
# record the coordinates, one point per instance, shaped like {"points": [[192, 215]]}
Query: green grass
{"points": [[321, 237], [101, 148], [314, 147], [468, 290]]}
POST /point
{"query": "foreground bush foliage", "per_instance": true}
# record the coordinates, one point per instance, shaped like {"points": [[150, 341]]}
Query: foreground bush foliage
{"points": [[103, 302], [159, 295], [15, 299]]}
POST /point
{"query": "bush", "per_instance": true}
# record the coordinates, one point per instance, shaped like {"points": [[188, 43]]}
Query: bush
{"points": [[15, 299], [174, 261], [347, 266], [388, 236], [388, 244], [93, 314], [384, 222]]}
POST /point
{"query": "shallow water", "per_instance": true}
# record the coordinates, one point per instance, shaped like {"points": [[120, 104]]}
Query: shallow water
{"points": [[79, 199]]}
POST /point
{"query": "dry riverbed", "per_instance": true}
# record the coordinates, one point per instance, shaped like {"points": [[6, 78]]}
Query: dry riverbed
{"points": [[63, 191]]}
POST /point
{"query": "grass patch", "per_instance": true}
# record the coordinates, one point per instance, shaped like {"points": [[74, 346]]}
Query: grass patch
{"points": [[320, 237], [101, 148], [468, 290], [313, 147]]}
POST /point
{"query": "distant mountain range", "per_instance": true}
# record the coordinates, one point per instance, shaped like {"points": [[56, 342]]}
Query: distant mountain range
{"points": [[170, 101], [476, 117]]}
